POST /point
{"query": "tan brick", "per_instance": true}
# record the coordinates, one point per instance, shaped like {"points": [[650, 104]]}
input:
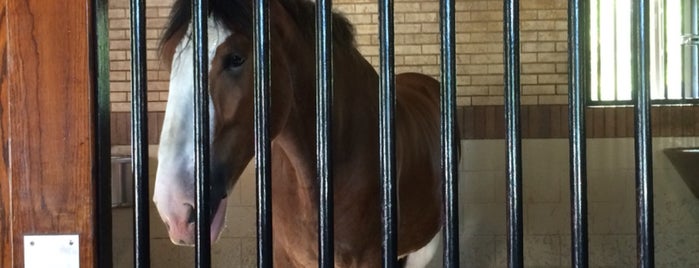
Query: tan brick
{"points": [[475, 90], [121, 107], [486, 16], [552, 36], [407, 28], [119, 24], [496, 90], [538, 89], [117, 13], [538, 68], [561, 14], [488, 79], [538, 47], [544, 4], [120, 65], [538, 25], [553, 78], [552, 57], [117, 97], [487, 100], [120, 44], [463, 101], [400, 7], [553, 99], [421, 60], [120, 86], [408, 49], [529, 100]]}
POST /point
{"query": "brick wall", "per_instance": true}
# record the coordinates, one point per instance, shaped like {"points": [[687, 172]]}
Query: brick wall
{"points": [[479, 47], [157, 12]]}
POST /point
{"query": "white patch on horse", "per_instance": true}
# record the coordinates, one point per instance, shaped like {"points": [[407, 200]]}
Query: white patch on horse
{"points": [[423, 256], [175, 173]]}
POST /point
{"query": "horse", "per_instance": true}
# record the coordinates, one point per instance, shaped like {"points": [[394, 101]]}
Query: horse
{"points": [[355, 153]]}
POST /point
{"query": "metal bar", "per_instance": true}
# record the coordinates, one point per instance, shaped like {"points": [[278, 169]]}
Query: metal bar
{"points": [[201, 133], [448, 138], [324, 95], [103, 193], [513, 135], [389, 241], [262, 140], [578, 85], [690, 49], [643, 144], [139, 133], [598, 47], [616, 69]]}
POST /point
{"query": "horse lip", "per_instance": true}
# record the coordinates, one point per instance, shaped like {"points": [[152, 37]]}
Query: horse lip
{"points": [[218, 219]]}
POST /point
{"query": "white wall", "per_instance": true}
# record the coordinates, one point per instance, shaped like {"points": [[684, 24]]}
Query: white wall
{"points": [[482, 204]]}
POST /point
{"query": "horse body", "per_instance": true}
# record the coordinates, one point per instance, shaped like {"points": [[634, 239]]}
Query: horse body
{"points": [[357, 224]]}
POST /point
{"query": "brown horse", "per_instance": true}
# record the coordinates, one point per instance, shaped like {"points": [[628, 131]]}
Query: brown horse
{"points": [[294, 188]]}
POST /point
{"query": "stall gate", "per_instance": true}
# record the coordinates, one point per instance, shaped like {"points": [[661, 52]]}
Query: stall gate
{"points": [[578, 70]]}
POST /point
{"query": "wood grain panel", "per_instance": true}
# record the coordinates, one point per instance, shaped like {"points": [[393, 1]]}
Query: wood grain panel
{"points": [[5, 216], [51, 123], [121, 127], [488, 122], [556, 126], [467, 129], [551, 121]]}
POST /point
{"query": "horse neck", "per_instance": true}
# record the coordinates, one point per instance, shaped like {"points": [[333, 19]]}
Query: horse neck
{"points": [[354, 110], [354, 105]]}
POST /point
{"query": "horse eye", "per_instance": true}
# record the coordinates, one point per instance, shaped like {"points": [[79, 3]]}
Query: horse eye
{"points": [[233, 61]]}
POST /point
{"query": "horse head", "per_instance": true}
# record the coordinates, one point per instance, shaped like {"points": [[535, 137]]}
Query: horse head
{"points": [[231, 77]]}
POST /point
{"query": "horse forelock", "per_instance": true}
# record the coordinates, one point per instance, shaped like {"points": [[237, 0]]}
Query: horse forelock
{"points": [[237, 16], [234, 14]]}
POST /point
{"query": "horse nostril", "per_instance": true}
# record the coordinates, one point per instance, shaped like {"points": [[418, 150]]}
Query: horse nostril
{"points": [[192, 214]]}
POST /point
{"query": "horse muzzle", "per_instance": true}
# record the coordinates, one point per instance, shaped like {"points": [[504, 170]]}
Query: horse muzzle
{"points": [[181, 222]]}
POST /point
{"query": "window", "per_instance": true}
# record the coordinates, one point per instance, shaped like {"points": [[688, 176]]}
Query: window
{"points": [[674, 51]]}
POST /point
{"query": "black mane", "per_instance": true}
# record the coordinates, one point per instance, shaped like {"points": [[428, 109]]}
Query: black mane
{"points": [[237, 14]]}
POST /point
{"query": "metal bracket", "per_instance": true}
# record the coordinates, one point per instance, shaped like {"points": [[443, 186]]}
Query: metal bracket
{"points": [[59, 251]]}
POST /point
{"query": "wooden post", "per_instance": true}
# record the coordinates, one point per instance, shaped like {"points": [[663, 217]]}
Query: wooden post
{"points": [[47, 103]]}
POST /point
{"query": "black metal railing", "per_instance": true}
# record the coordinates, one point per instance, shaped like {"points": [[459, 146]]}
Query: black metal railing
{"points": [[513, 135], [578, 84], [139, 133], [578, 40]]}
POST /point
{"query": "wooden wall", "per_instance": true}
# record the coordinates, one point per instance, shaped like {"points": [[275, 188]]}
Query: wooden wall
{"points": [[47, 134], [5, 232]]}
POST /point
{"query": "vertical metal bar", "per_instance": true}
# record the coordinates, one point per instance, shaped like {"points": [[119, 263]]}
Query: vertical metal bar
{"points": [[389, 241], [139, 133], [598, 47], [448, 138], [201, 133], [616, 69], [690, 49], [262, 141], [513, 135], [577, 82], [644, 165], [324, 95], [100, 50]]}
